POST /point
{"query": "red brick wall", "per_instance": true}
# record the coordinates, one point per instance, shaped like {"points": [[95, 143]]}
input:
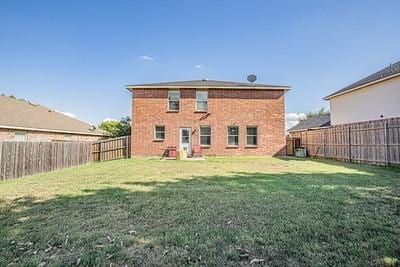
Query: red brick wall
{"points": [[261, 108], [9, 135]]}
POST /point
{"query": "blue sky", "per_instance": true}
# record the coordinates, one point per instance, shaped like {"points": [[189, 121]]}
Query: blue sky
{"points": [[76, 56]]}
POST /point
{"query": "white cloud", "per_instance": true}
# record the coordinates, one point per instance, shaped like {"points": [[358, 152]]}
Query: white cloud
{"points": [[198, 66], [147, 58], [109, 119], [291, 119]]}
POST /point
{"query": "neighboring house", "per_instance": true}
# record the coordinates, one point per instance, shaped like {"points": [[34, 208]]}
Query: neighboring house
{"points": [[372, 98], [224, 118], [311, 123], [21, 120], [296, 132]]}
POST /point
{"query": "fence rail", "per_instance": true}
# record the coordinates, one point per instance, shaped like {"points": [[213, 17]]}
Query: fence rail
{"points": [[116, 148], [373, 142], [27, 158]]}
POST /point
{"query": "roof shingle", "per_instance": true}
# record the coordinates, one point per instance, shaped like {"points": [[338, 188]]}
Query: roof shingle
{"points": [[209, 84], [313, 122], [391, 70], [26, 115]]}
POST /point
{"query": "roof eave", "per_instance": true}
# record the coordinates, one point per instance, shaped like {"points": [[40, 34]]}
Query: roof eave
{"points": [[292, 131], [49, 130], [131, 87], [306, 129], [361, 86]]}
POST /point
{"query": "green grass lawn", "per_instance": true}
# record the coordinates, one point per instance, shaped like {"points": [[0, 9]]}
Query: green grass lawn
{"points": [[218, 212]]}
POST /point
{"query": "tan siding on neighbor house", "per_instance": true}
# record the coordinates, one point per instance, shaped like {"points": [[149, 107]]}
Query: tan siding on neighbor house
{"points": [[226, 107], [367, 103]]}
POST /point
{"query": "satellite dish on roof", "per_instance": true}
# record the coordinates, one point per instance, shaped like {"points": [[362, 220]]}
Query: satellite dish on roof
{"points": [[252, 78]]}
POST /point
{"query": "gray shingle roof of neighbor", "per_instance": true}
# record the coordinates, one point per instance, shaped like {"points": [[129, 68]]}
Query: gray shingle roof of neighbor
{"points": [[313, 122], [24, 115], [208, 84], [386, 73]]}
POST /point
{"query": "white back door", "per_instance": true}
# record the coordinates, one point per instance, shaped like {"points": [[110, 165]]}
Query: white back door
{"points": [[186, 140]]}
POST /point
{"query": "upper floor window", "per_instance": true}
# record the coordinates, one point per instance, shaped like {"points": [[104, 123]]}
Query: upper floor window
{"points": [[233, 136], [173, 100], [251, 135], [201, 100]]}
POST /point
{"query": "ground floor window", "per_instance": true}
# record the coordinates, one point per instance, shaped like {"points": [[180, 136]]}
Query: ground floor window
{"points": [[20, 136], [251, 135], [205, 135], [159, 133], [233, 136]]}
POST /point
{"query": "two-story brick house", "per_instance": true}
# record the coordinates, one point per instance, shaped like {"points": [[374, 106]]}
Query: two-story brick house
{"points": [[224, 118]]}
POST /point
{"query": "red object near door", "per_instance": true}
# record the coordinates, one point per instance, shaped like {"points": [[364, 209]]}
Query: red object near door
{"points": [[197, 151], [171, 151]]}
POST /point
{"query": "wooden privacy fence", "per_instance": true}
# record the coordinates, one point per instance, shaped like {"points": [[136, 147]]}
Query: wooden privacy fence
{"points": [[116, 148], [373, 142], [19, 159], [27, 158]]}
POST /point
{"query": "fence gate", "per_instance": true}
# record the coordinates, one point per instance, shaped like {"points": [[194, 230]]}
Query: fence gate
{"points": [[115, 148]]}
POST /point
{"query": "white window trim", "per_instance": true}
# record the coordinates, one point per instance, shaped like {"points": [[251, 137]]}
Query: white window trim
{"points": [[155, 133], [201, 101], [205, 135], [238, 135], [252, 126], [179, 101]]}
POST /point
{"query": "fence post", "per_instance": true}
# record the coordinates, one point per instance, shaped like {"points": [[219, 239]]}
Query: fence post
{"points": [[100, 150], [126, 147], [349, 144], [1, 155], [386, 136], [306, 141], [324, 144]]}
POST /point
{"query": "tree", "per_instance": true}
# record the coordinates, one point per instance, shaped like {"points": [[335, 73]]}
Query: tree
{"points": [[317, 113], [117, 128], [124, 128]]}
